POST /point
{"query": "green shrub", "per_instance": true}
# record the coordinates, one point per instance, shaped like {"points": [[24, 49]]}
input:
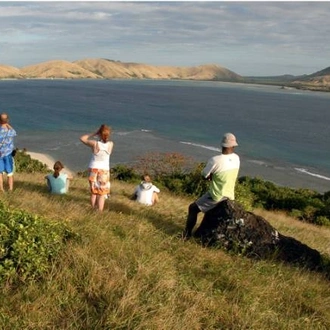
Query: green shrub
{"points": [[28, 244], [159, 164], [296, 213], [173, 184], [322, 221], [180, 176], [305, 204], [24, 163], [195, 185], [125, 173], [244, 196]]}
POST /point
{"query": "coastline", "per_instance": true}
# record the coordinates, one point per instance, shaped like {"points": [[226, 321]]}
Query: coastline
{"points": [[282, 85], [280, 176], [48, 161]]}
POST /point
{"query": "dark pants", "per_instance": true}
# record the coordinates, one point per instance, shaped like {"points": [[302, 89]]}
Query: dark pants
{"points": [[193, 211]]}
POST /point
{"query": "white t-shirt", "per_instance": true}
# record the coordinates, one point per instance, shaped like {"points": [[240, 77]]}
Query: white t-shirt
{"points": [[101, 159], [144, 192], [224, 169]]}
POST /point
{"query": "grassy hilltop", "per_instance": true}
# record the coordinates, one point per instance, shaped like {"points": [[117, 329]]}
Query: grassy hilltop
{"points": [[127, 270]]}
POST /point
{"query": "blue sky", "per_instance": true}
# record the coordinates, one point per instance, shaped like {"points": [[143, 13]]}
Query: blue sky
{"points": [[250, 38]]}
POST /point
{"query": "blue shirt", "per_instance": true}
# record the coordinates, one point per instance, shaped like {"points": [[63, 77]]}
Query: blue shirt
{"points": [[57, 185], [6, 140]]}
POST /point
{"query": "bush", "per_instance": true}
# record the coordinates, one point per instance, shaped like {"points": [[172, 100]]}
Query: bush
{"points": [[173, 184], [322, 221], [168, 170], [159, 164], [124, 173], [28, 244], [305, 204], [296, 213], [244, 196], [177, 173], [24, 163], [195, 185]]}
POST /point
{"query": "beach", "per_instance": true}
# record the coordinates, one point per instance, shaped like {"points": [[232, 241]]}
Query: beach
{"points": [[48, 161]]}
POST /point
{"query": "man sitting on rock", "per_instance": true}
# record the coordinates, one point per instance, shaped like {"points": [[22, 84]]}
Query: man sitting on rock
{"points": [[222, 170]]}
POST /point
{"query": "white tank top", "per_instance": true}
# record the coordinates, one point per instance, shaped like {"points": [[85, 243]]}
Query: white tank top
{"points": [[101, 159]]}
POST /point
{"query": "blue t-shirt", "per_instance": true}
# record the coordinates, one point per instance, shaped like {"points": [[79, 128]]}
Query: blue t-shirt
{"points": [[6, 140], [57, 185]]}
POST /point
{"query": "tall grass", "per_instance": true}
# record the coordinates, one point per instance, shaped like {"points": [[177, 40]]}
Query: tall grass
{"points": [[129, 271]]}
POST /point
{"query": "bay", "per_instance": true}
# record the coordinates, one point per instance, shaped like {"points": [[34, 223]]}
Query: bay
{"points": [[283, 134]]}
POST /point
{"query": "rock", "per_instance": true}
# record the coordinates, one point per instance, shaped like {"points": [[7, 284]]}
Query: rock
{"points": [[229, 226]]}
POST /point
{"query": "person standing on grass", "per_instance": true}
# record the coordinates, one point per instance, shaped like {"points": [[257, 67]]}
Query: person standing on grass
{"points": [[222, 171], [99, 165], [58, 183], [146, 193], [7, 134]]}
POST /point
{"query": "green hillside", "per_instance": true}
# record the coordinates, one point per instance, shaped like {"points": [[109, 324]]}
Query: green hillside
{"points": [[125, 268]]}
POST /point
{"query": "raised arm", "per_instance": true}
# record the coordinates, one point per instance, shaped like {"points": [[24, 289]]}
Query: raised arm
{"points": [[86, 139]]}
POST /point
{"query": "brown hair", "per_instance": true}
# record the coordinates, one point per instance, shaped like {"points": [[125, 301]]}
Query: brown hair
{"points": [[4, 118], [58, 166], [104, 132], [146, 177]]}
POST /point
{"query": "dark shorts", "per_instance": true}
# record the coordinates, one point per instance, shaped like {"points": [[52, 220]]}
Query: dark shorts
{"points": [[206, 203], [7, 165]]}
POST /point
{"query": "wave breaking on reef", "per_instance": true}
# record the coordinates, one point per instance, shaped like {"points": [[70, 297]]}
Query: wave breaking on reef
{"points": [[201, 146], [302, 170]]}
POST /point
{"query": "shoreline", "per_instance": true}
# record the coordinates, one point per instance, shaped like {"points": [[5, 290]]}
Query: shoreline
{"points": [[246, 81], [282, 85], [48, 161], [279, 176]]}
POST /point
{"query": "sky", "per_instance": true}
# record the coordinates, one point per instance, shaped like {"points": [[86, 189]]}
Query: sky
{"points": [[250, 38]]}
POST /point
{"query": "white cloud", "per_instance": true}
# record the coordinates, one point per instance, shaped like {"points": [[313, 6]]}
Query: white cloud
{"points": [[250, 38]]}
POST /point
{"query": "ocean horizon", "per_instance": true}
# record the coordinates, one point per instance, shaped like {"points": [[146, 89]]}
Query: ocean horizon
{"points": [[282, 134]]}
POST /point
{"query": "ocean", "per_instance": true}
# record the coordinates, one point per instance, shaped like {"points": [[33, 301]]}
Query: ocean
{"points": [[283, 134]]}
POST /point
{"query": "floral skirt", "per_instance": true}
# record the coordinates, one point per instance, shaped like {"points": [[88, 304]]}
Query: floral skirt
{"points": [[99, 181]]}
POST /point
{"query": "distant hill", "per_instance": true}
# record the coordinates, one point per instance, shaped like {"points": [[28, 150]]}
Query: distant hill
{"points": [[319, 80], [324, 72], [101, 68], [57, 69], [109, 69], [274, 79], [9, 72]]}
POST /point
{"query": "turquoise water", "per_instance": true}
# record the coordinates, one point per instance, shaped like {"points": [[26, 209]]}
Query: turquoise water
{"points": [[283, 134]]}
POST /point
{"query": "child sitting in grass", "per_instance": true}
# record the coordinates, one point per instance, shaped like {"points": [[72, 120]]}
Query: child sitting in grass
{"points": [[146, 193], [58, 183]]}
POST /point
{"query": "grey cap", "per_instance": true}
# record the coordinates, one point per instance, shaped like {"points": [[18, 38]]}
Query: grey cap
{"points": [[229, 140]]}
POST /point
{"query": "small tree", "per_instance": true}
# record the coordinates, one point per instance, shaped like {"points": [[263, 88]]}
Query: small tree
{"points": [[159, 164]]}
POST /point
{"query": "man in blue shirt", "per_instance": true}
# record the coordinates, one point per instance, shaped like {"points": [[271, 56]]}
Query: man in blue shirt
{"points": [[7, 134]]}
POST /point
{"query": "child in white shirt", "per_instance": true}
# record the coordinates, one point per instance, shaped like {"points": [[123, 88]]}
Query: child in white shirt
{"points": [[146, 193]]}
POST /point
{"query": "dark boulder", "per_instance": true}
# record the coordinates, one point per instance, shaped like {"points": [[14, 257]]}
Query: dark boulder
{"points": [[229, 226]]}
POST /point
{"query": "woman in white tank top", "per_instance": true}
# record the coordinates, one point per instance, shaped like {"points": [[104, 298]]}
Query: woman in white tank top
{"points": [[99, 165]]}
